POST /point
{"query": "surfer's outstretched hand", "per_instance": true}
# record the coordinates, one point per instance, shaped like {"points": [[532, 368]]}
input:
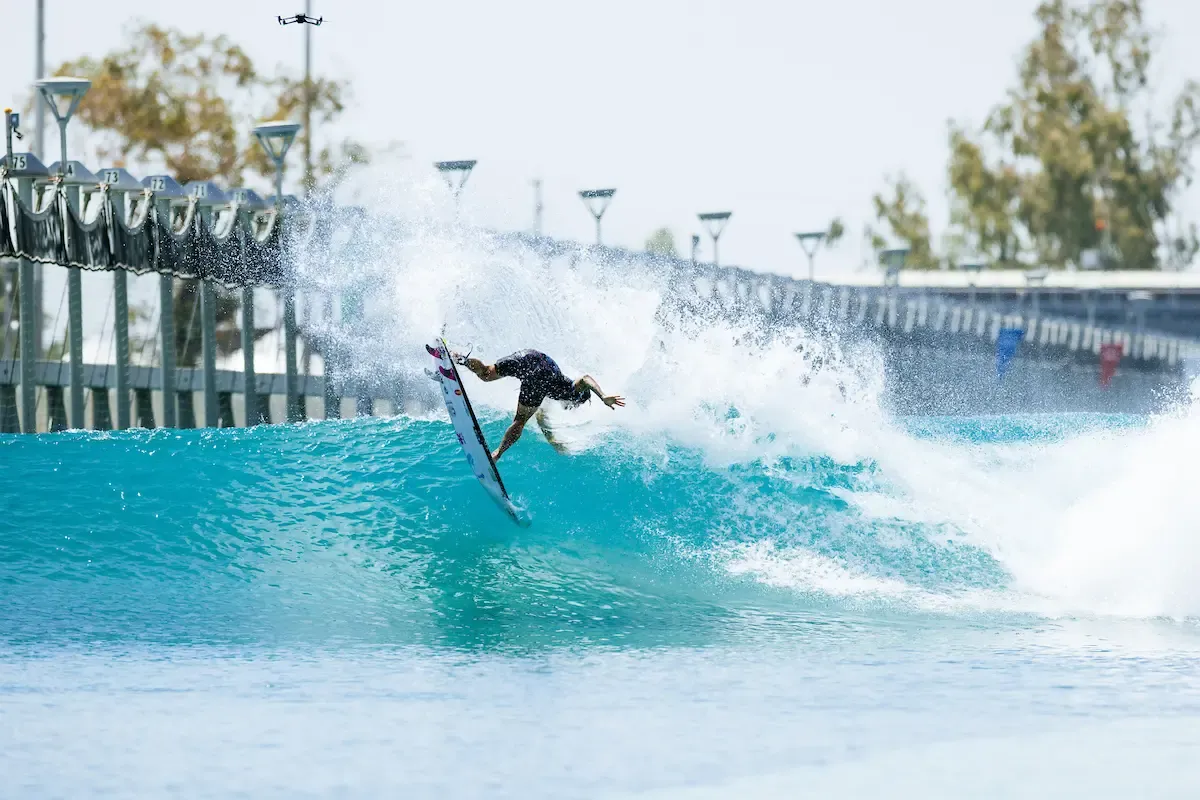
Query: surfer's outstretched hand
{"points": [[613, 400]]}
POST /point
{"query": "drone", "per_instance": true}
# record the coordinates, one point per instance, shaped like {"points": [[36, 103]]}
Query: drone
{"points": [[302, 19]]}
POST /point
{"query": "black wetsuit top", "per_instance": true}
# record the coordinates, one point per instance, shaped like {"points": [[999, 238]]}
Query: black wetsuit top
{"points": [[540, 378]]}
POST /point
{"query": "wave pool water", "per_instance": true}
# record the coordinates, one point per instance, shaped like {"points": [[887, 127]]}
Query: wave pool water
{"points": [[336, 609], [751, 582]]}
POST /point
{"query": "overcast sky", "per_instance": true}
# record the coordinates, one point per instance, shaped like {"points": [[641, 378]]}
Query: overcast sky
{"points": [[786, 113]]}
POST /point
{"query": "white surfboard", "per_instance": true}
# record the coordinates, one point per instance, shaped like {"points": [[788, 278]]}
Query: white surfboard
{"points": [[466, 428]]}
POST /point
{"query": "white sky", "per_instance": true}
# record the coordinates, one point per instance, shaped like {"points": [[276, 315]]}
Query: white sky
{"points": [[786, 113]]}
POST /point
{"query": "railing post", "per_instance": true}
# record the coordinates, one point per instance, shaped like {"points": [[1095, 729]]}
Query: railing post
{"points": [[245, 228], [250, 382], [121, 310], [294, 412], [75, 328], [31, 335], [166, 333], [208, 346]]}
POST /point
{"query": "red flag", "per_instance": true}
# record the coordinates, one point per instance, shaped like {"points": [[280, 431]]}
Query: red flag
{"points": [[1110, 357]]}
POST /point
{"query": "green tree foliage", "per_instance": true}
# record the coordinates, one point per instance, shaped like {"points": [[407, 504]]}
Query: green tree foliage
{"points": [[1079, 157], [1075, 159], [837, 229], [662, 242], [186, 104], [902, 209]]}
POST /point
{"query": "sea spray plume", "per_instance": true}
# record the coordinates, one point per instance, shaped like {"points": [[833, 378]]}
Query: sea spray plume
{"points": [[682, 334]]}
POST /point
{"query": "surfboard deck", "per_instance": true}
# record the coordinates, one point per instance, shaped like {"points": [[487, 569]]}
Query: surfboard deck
{"points": [[466, 428]]}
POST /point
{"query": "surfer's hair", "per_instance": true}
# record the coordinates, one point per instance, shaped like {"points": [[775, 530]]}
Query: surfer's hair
{"points": [[583, 393]]}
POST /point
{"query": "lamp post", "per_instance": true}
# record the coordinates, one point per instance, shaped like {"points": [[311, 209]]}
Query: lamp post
{"points": [[537, 206], [893, 262], [276, 137], [715, 222], [62, 95], [455, 174], [597, 201], [973, 269], [810, 242], [1034, 280]]}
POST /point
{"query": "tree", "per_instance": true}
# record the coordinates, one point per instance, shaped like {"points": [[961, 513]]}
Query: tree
{"points": [[984, 204], [837, 229], [1063, 166], [187, 104], [662, 242], [903, 211]]}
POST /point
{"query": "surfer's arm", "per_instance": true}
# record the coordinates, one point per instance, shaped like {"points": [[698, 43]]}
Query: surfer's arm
{"points": [[514, 431], [608, 400], [485, 372]]}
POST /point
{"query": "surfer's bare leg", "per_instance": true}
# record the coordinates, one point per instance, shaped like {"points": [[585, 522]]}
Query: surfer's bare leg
{"points": [[548, 432], [523, 415], [485, 372]]}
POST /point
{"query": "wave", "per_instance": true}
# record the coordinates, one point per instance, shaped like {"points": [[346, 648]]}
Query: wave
{"points": [[373, 530], [755, 470]]}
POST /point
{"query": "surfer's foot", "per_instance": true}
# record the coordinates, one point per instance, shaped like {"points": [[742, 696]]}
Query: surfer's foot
{"points": [[495, 456]]}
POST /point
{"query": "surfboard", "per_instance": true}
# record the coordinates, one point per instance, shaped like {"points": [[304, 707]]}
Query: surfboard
{"points": [[466, 428]]}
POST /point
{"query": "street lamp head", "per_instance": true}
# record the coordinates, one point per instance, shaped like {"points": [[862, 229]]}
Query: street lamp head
{"points": [[455, 166], [455, 173], [811, 241], [1036, 277], [276, 137], [63, 95], [715, 222], [597, 200]]}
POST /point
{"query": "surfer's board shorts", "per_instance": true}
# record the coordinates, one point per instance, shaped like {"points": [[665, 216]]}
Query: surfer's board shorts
{"points": [[540, 378]]}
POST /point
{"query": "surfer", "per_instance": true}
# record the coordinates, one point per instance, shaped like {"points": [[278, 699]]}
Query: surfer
{"points": [[540, 378]]}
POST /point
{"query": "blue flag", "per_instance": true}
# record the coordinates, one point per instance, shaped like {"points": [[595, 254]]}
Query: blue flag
{"points": [[1006, 348]]}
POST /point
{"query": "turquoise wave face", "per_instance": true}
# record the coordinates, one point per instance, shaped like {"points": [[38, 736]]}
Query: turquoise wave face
{"points": [[373, 531]]}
